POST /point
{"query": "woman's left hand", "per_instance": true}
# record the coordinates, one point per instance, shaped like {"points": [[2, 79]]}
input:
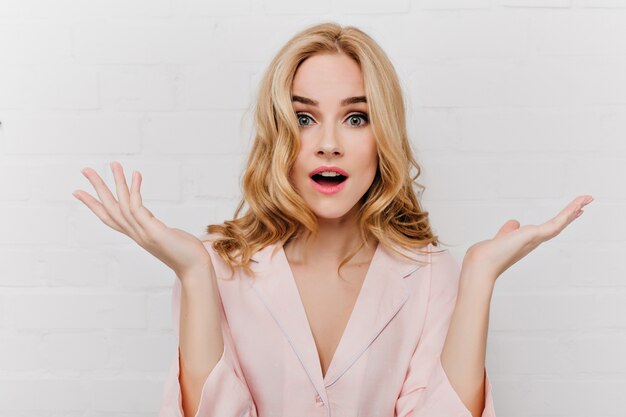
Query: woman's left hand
{"points": [[490, 258]]}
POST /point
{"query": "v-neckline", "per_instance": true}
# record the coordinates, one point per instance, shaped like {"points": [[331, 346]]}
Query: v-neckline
{"points": [[351, 319], [383, 293]]}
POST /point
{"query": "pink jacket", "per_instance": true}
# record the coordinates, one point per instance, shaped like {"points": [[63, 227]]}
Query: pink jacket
{"points": [[386, 364]]}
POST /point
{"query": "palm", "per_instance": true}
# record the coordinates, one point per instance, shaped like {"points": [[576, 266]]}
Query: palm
{"points": [[512, 242], [179, 250], [187, 250]]}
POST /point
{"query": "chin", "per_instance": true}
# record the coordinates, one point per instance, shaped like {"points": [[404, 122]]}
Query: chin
{"points": [[326, 216], [331, 213]]}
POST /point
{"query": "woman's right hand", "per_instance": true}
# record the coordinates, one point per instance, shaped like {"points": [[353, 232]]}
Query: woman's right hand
{"points": [[183, 252]]}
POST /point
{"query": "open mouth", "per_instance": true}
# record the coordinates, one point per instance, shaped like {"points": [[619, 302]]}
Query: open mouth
{"points": [[328, 181]]}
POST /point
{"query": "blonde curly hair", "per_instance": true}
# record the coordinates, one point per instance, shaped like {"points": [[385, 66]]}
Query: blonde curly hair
{"points": [[389, 210]]}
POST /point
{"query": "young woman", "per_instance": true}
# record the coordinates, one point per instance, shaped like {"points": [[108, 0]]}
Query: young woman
{"points": [[328, 297]]}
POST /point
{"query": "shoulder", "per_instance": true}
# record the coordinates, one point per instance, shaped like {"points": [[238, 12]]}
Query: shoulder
{"points": [[207, 240], [219, 264], [445, 272], [441, 259], [209, 237]]}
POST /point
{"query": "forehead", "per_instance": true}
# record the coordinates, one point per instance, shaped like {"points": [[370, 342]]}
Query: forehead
{"points": [[328, 78]]}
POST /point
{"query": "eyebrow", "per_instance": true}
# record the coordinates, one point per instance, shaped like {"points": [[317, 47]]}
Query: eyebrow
{"points": [[344, 102]]}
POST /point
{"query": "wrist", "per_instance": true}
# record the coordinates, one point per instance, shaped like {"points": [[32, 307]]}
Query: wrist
{"points": [[477, 279]]}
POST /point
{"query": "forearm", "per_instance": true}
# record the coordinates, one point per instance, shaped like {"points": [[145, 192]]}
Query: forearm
{"points": [[463, 355], [200, 343]]}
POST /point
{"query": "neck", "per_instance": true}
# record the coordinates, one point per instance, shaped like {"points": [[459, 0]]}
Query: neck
{"points": [[336, 239]]}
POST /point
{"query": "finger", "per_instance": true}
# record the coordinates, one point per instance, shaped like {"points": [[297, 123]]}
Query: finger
{"points": [[508, 227], [587, 200], [101, 188], [559, 222], [144, 216], [108, 201], [121, 189], [98, 209]]}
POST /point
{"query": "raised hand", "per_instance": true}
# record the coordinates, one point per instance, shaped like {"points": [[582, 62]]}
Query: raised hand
{"points": [[490, 258], [184, 253]]}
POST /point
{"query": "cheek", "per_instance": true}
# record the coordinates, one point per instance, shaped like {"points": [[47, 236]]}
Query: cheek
{"points": [[368, 165], [369, 155], [304, 155], [298, 169]]}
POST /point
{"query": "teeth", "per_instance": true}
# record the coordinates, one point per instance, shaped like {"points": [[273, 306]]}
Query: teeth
{"points": [[328, 174]]}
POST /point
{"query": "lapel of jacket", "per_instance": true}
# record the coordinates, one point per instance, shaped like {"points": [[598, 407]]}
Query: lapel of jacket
{"points": [[382, 294]]}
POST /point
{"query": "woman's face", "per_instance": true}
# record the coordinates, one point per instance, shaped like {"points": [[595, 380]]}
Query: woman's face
{"points": [[333, 133]]}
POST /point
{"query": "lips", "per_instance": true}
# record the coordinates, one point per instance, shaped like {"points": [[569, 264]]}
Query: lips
{"points": [[327, 181], [328, 168], [327, 187]]}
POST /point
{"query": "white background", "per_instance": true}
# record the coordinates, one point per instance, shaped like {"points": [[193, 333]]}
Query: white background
{"points": [[516, 107]]}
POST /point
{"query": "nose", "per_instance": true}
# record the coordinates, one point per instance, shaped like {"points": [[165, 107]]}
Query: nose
{"points": [[329, 145]]}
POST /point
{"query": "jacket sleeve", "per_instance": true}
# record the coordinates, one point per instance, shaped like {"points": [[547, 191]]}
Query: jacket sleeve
{"points": [[426, 391], [224, 393]]}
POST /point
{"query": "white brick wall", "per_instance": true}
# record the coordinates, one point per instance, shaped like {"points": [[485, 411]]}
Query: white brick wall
{"points": [[515, 107]]}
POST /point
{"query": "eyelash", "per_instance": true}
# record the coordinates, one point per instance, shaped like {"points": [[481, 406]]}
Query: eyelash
{"points": [[363, 117]]}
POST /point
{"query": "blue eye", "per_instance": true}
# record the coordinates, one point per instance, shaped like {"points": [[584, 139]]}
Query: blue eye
{"points": [[300, 115], [362, 116]]}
